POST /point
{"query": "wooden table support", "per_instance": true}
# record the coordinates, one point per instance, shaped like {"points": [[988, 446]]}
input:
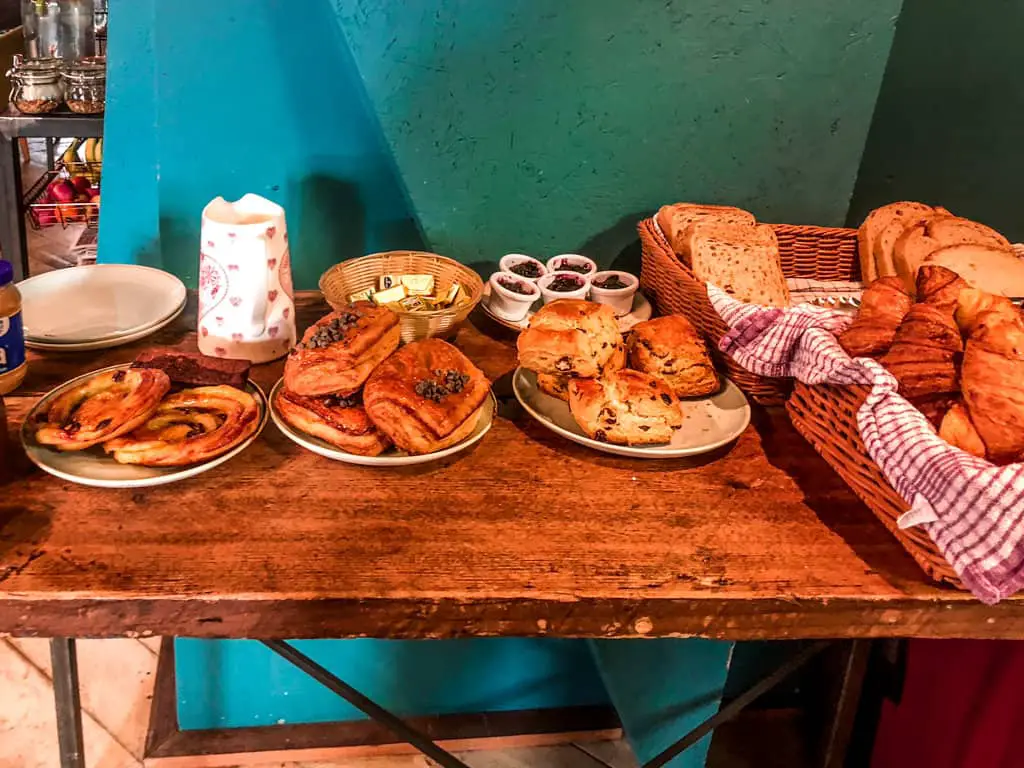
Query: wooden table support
{"points": [[64, 663]]}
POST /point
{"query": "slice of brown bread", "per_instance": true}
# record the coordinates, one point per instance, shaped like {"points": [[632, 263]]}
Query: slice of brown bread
{"points": [[991, 269], [871, 230], [676, 220], [933, 233], [741, 260]]}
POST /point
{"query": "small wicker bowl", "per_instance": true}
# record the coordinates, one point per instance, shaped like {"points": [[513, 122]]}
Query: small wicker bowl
{"points": [[356, 275]]}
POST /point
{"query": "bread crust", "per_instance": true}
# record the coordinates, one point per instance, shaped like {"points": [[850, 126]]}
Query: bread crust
{"points": [[570, 337], [670, 347]]}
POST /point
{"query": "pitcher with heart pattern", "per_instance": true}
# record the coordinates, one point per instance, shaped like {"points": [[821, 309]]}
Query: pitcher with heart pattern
{"points": [[246, 305]]}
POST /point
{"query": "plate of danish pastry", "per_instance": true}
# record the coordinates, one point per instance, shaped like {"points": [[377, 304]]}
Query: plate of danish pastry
{"points": [[352, 394], [652, 393], [165, 417]]}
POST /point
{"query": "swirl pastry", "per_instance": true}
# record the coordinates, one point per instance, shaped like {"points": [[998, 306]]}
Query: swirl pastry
{"points": [[339, 352], [100, 408], [427, 396], [189, 427], [340, 421]]}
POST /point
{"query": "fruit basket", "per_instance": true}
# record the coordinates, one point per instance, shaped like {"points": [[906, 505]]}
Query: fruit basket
{"points": [[58, 197]]}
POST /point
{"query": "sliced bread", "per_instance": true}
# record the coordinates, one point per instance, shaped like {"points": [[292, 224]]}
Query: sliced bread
{"points": [[992, 269], [870, 231], [741, 260], [935, 232], [676, 220]]}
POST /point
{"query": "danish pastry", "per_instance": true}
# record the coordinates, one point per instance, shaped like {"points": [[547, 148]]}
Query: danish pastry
{"points": [[340, 421], [570, 337], [625, 407], [339, 352], [100, 408], [189, 427], [670, 348], [427, 396]]}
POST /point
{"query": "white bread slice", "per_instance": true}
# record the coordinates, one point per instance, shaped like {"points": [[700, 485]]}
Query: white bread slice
{"points": [[741, 260], [869, 232], [933, 233], [988, 268], [676, 220]]}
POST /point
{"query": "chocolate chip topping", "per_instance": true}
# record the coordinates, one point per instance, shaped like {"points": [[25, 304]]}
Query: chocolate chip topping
{"points": [[331, 332], [337, 401], [446, 383]]}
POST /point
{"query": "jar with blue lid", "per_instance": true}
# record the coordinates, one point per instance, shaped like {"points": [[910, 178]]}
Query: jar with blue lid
{"points": [[12, 337]]}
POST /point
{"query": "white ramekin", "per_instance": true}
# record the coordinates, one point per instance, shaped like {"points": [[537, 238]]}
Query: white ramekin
{"points": [[509, 260], [549, 296], [619, 299], [555, 263], [507, 304]]}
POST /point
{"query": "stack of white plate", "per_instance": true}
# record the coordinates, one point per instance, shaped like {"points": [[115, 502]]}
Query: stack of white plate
{"points": [[98, 306]]}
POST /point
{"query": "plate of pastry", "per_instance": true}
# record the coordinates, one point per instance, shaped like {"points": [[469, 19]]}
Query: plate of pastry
{"points": [[351, 393], [165, 417], [652, 394]]}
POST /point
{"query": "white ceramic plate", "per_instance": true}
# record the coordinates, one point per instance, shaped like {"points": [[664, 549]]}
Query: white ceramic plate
{"points": [[710, 422], [93, 467], [641, 311], [391, 457], [97, 302], [110, 342]]}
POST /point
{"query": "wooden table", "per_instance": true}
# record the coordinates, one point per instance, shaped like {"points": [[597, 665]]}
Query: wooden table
{"points": [[525, 534]]}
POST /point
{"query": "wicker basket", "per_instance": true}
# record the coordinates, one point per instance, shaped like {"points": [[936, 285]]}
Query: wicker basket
{"points": [[827, 417], [357, 275], [820, 253]]}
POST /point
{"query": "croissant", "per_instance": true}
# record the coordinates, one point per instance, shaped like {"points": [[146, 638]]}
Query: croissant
{"points": [[939, 286], [958, 430], [883, 306], [993, 383], [972, 303], [924, 353]]}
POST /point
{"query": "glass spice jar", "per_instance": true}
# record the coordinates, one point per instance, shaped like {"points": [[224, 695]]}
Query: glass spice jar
{"points": [[85, 86], [36, 86]]}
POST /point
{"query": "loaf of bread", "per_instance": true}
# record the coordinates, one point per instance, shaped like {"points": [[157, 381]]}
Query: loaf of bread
{"points": [[990, 268], [933, 233], [741, 260], [889, 219], [676, 220]]}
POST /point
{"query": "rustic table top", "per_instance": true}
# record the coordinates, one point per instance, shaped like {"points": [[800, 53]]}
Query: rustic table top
{"points": [[524, 534]]}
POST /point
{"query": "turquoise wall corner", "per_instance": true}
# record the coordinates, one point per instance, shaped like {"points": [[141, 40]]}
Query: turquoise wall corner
{"points": [[522, 125]]}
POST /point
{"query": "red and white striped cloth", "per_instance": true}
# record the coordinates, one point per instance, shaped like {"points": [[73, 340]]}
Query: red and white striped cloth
{"points": [[972, 509]]}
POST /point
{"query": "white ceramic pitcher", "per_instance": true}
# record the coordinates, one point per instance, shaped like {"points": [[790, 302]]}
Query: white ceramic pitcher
{"points": [[246, 306]]}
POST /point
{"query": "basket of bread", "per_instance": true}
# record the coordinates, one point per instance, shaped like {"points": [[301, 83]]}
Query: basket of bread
{"points": [[918, 401], [687, 245]]}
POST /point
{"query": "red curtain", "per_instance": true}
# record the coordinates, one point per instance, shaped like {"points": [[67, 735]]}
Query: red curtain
{"points": [[962, 703]]}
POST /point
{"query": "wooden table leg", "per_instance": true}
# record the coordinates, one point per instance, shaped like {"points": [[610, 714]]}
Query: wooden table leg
{"points": [[848, 667], [69, 708]]}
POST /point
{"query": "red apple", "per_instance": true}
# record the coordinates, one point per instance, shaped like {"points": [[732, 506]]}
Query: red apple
{"points": [[81, 184], [62, 191]]}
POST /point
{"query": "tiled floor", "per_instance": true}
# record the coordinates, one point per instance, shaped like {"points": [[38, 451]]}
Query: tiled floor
{"points": [[117, 686]]}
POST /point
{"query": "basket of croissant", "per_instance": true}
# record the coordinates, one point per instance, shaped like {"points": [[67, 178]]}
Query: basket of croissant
{"points": [[957, 353], [686, 245]]}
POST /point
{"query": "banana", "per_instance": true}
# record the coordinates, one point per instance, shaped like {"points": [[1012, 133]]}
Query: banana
{"points": [[90, 150], [99, 150], [70, 155]]}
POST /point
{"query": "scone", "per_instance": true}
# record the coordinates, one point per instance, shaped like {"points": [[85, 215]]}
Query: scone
{"points": [[570, 337], [556, 386], [625, 407], [340, 421], [339, 352], [427, 396], [670, 348]]}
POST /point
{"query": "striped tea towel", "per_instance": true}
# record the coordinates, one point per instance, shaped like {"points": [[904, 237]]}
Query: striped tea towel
{"points": [[973, 510]]}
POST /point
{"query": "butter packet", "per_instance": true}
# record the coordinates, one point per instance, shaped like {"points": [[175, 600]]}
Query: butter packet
{"points": [[366, 295], [418, 285], [384, 282], [390, 295]]}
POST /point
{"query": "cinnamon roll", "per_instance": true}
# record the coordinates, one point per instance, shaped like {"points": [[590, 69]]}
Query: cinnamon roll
{"points": [[100, 408]]}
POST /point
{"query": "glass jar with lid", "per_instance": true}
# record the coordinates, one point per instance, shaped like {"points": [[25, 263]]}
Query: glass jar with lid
{"points": [[36, 86], [85, 86], [12, 339]]}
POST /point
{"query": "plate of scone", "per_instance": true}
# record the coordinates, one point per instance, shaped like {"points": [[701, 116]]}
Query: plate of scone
{"points": [[351, 393], [652, 394], [165, 417]]}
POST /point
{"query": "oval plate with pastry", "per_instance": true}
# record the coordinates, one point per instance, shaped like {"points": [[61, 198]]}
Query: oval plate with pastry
{"points": [[121, 427], [707, 422], [336, 422]]}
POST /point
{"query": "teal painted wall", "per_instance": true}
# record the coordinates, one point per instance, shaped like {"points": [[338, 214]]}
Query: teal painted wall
{"points": [[947, 128], [513, 125], [230, 684]]}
